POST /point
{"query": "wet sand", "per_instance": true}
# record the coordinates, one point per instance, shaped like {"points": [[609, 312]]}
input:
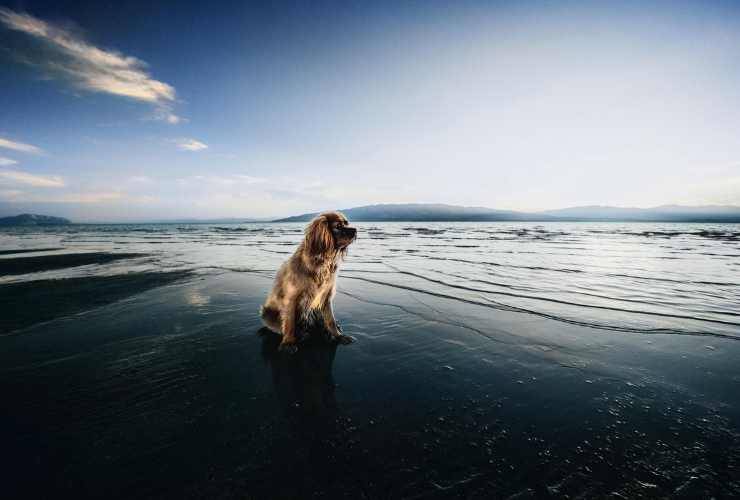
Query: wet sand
{"points": [[176, 392], [32, 302], [25, 265], [28, 250]]}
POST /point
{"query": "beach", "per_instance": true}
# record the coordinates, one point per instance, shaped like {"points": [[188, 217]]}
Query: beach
{"points": [[369, 250], [149, 375]]}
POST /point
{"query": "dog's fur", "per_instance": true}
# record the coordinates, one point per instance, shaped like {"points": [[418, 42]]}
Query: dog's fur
{"points": [[306, 283]]}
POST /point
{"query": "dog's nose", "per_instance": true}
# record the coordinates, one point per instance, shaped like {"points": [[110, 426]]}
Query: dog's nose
{"points": [[352, 231]]}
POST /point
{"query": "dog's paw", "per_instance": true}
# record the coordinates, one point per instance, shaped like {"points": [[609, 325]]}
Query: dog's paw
{"points": [[344, 339], [288, 348]]}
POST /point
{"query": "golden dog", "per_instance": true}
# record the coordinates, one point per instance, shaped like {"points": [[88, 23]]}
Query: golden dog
{"points": [[306, 283]]}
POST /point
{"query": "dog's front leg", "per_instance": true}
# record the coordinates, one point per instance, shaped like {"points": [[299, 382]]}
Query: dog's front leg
{"points": [[288, 326], [329, 321], [331, 324]]}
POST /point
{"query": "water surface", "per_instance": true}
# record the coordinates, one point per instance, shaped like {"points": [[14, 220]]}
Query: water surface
{"points": [[493, 360], [678, 278]]}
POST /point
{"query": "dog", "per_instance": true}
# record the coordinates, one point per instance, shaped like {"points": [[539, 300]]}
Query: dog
{"points": [[306, 283]]}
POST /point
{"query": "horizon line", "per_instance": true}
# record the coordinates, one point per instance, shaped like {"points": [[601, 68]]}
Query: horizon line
{"points": [[534, 214]]}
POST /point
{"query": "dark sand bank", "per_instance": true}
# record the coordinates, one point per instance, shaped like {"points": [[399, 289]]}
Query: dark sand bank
{"points": [[24, 265], [38, 301], [177, 393], [29, 250]]}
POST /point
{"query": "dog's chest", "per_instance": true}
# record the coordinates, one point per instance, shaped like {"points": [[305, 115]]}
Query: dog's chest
{"points": [[321, 294]]}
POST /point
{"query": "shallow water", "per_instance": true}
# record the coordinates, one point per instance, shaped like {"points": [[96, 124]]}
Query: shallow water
{"points": [[150, 377], [641, 277]]}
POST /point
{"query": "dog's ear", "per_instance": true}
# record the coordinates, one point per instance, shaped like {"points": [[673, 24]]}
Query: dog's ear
{"points": [[318, 236]]}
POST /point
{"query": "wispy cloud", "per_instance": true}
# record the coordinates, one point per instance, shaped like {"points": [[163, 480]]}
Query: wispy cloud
{"points": [[71, 58], [89, 197], [140, 179], [20, 146], [103, 197], [186, 144], [10, 194], [166, 115], [25, 178], [4, 162], [250, 179], [238, 195], [83, 197], [235, 180]]}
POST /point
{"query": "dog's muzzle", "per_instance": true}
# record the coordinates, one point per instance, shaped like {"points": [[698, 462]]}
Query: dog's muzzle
{"points": [[347, 235]]}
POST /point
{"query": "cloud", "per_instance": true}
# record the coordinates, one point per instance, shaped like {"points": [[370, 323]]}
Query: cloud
{"points": [[219, 181], [107, 197], [4, 162], [90, 197], [20, 177], [71, 58], [81, 197], [250, 179], [239, 195], [10, 194], [140, 179], [19, 146], [186, 144], [166, 115]]}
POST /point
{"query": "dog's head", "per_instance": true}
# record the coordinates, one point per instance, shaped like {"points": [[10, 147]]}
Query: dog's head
{"points": [[328, 233]]}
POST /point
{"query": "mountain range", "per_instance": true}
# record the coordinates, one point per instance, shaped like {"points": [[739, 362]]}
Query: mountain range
{"points": [[427, 212], [33, 220], [436, 212]]}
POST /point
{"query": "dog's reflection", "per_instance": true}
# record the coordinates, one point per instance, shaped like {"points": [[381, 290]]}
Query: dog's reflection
{"points": [[303, 381]]}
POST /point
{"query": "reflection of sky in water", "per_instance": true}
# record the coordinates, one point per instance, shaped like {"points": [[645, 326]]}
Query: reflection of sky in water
{"points": [[638, 276]]}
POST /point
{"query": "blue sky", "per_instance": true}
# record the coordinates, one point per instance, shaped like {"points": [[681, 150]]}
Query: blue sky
{"points": [[132, 111]]}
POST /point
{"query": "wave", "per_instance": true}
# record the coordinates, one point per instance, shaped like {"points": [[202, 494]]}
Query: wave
{"points": [[565, 302], [497, 264], [591, 324], [434, 319], [239, 229], [669, 280], [425, 230], [704, 233], [588, 294]]}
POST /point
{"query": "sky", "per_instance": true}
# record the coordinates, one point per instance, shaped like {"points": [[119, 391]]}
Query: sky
{"points": [[128, 111]]}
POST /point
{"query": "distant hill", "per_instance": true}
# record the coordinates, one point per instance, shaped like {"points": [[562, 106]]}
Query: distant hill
{"points": [[421, 212], [427, 212], [223, 220], [33, 220]]}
